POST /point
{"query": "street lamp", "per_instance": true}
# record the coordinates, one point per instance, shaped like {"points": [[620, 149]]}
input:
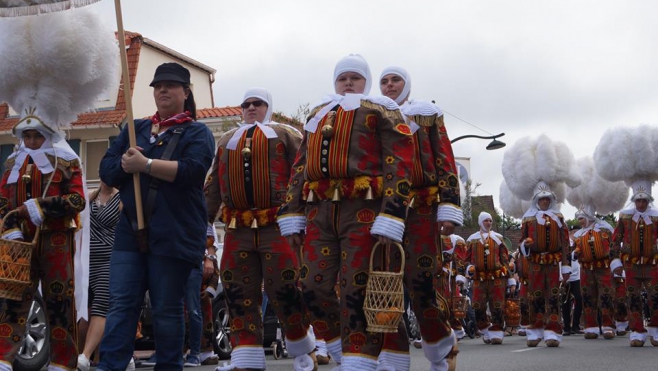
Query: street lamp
{"points": [[495, 144]]}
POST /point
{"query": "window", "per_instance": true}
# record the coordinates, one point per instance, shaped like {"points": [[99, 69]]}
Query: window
{"points": [[95, 151]]}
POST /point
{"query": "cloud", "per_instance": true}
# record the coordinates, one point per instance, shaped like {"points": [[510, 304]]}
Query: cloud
{"points": [[523, 68]]}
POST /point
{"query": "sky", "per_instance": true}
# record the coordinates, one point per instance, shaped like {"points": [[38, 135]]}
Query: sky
{"points": [[570, 69]]}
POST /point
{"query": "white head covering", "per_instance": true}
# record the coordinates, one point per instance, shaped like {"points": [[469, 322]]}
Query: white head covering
{"points": [[354, 63], [641, 190], [543, 190], [587, 212], [265, 96], [399, 71], [481, 218], [484, 233]]}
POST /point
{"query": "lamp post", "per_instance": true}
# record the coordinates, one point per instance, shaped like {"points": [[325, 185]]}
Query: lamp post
{"points": [[495, 144]]}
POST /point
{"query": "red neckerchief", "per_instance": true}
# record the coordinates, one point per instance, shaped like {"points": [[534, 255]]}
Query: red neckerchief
{"points": [[178, 119]]}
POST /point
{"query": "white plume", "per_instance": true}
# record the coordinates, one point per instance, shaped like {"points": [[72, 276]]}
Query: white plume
{"points": [[19, 8], [58, 63], [605, 196], [530, 161], [628, 154], [510, 204]]}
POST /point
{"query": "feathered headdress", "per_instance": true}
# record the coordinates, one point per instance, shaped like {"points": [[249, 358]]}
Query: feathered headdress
{"points": [[54, 66], [510, 204], [595, 194], [533, 167], [629, 155]]}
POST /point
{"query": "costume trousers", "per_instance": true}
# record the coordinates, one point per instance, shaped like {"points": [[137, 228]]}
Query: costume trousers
{"points": [[621, 306], [337, 246], [208, 332], [638, 277], [447, 289], [490, 292], [423, 263], [251, 257], [544, 297], [524, 304], [598, 295], [52, 264]]}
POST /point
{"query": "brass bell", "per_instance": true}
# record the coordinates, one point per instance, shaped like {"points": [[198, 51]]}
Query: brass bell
{"points": [[369, 193], [27, 176], [311, 196], [327, 131], [254, 224], [411, 203], [232, 224], [246, 153], [336, 197]]}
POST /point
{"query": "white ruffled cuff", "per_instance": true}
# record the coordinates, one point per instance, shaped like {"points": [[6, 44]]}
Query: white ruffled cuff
{"points": [[450, 213], [13, 234], [565, 269], [34, 209], [511, 282], [614, 264], [210, 230], [211, 291], [462, 279], [523, 249], [289, 225], [388, 227]]}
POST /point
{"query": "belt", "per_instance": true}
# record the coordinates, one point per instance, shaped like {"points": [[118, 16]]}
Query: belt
{"points": [[596, 264], [639, 260], [546, 258], [253, 218], [361, 187]]}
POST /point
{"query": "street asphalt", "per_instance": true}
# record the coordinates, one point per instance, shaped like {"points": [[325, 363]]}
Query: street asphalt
{"points": [[575, 353]]}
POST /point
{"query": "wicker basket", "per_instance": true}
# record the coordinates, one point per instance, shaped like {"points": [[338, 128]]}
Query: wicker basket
{"points": [[384, 302], [15, 259], [459, 306], [512, 312]]}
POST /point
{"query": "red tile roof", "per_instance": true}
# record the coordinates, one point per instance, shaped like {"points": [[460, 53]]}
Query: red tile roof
{"points": [[219, 112], [102, 119], [134, 43]]}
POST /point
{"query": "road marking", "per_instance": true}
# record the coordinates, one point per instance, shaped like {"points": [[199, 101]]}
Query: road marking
{"points": [[523, 350]]}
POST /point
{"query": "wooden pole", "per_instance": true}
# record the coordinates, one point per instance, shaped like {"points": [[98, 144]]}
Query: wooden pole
{"points": [[129, 108]]}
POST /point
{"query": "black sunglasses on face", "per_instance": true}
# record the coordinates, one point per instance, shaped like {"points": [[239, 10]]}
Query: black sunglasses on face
{"points": [[256, 104]]}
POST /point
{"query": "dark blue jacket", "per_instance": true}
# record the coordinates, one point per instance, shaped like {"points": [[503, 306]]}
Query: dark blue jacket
{"points": [[179, 220]]}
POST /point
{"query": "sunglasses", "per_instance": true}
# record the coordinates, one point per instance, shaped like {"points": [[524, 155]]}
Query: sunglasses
{"points": [[256, 104]]}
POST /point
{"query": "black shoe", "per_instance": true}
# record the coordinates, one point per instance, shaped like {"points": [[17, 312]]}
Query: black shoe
{"points": [[566, 333], [577, 332]]}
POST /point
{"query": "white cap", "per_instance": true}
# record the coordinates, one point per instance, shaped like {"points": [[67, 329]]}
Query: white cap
{"points": [[399, 71], [641, 190], [30, 120], [586, 211], [265, 96], [482, 217], [543, 190], [354, 63]]}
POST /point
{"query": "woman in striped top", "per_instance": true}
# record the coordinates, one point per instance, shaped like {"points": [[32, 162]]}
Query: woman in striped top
{"points": [[104, 216]]}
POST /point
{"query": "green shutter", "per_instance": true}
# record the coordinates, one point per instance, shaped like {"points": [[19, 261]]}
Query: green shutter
{"points": [[75, 145], [5, 151]]}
